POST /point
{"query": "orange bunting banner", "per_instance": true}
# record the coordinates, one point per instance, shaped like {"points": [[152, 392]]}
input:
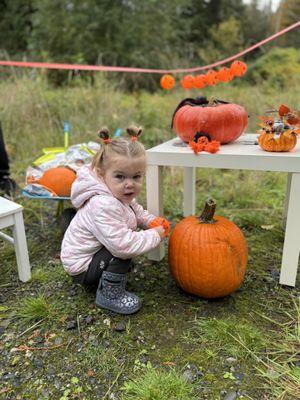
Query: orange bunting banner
{"points": [[211, 78]]}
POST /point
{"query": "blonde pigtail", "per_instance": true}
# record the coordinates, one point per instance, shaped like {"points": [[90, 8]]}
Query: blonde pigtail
{"points": [[134, 132]]}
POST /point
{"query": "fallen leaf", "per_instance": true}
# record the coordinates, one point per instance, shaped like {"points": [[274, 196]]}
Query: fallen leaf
{"points": [[267, 227], [90, 372]]}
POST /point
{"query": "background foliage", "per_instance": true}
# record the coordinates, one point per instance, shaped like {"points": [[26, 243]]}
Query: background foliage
{"points": [[141, 33]]}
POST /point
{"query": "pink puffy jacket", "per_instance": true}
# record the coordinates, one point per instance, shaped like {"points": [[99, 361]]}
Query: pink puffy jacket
{"points": [[102, 220]]}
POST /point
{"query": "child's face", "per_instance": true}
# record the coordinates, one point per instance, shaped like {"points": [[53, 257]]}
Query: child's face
{"points": [[124, 177]]}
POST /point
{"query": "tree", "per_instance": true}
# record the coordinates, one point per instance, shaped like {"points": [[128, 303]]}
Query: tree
{"points": [[15, 25], [287, 14], [225, 39]]}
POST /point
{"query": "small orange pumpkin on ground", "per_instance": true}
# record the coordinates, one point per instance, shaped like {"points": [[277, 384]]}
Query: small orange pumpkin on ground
{"points": [[59, 180], [208, 254]]}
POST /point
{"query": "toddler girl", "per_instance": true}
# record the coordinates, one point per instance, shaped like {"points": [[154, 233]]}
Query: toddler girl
{"points": [[102, 238]]}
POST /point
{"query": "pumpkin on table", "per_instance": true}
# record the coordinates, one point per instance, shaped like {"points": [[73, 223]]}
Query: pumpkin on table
{"points": [[285, 141], [208, 254], [280, 134], [217, 119]]}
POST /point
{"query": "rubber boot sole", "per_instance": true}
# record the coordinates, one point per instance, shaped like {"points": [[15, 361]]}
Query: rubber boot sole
{"points": [[117, 310]]}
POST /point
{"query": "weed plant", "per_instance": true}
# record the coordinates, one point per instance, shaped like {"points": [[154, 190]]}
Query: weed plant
{"points": [[158, 385], [34, 308]]}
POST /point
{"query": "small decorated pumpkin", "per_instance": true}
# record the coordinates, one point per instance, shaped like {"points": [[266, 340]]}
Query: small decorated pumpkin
{"points": [[59, 180], [217, 119], [279, 134], [208, 254], [285, 141]]}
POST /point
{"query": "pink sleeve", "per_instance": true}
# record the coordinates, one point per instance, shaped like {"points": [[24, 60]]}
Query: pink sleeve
{"points": [[143, 216], [110, 228]]}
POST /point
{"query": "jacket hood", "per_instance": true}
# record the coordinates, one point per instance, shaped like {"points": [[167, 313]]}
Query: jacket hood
{"points": [[87, 185]]}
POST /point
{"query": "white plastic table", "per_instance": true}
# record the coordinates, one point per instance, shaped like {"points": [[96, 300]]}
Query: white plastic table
{"points": [[241, 154]]}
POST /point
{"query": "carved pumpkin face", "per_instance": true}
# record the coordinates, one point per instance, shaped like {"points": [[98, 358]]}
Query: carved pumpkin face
{"points": [[221, 121]]}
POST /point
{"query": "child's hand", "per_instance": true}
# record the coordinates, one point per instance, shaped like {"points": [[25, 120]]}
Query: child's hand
{"points": [[162, 222], [160, 230]]}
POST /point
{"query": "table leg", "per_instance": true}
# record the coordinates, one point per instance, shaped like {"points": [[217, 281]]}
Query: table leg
{"points": [[154, 188], [21, 249], [291, 247], [286, 201], [189, 178], [60, 208]]}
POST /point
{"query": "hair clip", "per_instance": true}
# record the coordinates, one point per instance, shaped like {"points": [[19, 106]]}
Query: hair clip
{"points": [[104, 135], [134, 133]]}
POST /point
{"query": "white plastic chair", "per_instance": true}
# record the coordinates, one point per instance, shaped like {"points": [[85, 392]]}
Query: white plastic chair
{"points": [[11, 214]]}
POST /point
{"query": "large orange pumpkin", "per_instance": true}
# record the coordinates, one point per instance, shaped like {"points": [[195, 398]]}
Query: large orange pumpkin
{"points": [[219, 120], [59, 180], [208, 254]]}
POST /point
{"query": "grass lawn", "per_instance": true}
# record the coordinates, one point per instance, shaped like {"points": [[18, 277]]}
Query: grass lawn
{"points": [[55, 344]]}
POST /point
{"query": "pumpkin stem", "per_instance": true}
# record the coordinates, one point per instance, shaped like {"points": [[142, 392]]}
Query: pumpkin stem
{"points": [[213, 101], [208, 212]]}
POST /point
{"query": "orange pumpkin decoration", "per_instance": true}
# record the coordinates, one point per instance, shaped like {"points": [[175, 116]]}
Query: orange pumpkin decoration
{"points": [[225, 74], [285, 141], [208, 254], [218, 119], [159, 221], [280, 134], [211, 77], [167, 82], [199, 81], [238, 68], [187, 82], [58, 180], [291, 117]]}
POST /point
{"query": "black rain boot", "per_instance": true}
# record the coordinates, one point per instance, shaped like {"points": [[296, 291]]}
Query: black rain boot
{"points": [[111, 294]]}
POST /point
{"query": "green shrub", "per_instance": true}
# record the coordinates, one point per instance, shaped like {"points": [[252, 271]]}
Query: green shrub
{"points": [[280, 67]]}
